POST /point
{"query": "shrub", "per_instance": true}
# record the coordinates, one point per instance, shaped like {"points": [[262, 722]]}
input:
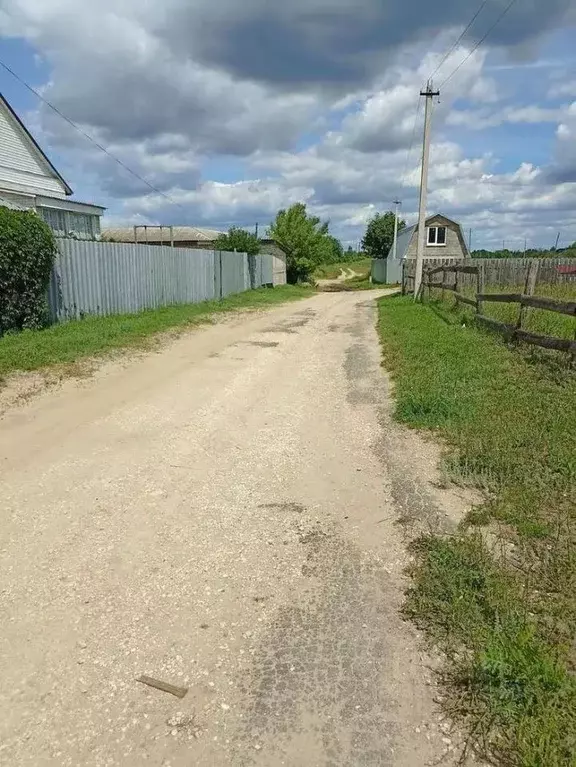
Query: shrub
{"points": [[27, 253]]}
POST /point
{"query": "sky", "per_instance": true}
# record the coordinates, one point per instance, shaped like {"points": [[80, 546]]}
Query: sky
{"points": [[232, 110]]}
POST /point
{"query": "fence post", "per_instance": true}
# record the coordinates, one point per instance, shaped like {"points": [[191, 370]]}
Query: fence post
{"points": [[529, 287], [403, 278], [479, 289], [456, 286]]}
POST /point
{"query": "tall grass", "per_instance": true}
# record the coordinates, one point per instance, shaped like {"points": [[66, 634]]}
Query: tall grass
{"points": [[535, 320], [502, 605]]}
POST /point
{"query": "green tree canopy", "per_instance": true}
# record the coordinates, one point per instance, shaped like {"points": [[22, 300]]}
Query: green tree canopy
{"points": [[304, 239], [380, 234], [239, 240], [337, 249]]}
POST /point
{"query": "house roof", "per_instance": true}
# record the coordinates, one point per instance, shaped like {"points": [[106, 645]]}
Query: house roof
{"points": [[8, 202], [36, 145], [155, 234], [405, 236]]}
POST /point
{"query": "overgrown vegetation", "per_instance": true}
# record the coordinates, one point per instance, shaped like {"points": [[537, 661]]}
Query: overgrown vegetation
{"points": [[27, 253], [380, 234], [238, 240], [72, 341], [306, 241], [498, 596]]}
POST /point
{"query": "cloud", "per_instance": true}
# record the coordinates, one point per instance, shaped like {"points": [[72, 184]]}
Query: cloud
{"points": [[313, 100], [481, 119], [563, 169]]}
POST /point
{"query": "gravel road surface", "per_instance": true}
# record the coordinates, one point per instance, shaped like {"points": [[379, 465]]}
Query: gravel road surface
{"points": [[221, 515]]}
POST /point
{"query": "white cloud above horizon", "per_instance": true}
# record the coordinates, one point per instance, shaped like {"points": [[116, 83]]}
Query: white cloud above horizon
{"points": [[235, 111]]}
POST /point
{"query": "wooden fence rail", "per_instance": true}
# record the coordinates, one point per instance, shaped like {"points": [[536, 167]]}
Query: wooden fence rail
{"points": [[525, 300]]}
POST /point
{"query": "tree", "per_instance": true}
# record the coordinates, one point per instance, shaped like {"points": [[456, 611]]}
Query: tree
{"points": [[27, 253], [337, 249], [239, 240], [304, 239], [380, 234]]}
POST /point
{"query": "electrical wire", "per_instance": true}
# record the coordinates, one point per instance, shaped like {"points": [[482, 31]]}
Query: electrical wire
{"points": [[457, 42], [479, 43], [409, 152], [87, 136]]}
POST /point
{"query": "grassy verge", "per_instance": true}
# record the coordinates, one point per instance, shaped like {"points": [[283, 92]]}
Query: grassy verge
{"points": [[72, 341], [332, 271], [497, 597]]}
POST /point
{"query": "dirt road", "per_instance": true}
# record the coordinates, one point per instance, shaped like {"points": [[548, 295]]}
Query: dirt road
{"points": [[221, 515]]}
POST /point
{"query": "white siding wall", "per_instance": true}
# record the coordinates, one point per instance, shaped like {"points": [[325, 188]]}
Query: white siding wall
{"points": [[21, 167]]}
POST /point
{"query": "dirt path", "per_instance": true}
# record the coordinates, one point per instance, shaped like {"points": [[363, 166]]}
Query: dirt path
{"points": [[221, 515]]}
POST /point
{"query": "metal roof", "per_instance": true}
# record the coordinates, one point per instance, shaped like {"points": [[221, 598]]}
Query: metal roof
{"points": [[404, 238], [6, 202], [155, 234]]}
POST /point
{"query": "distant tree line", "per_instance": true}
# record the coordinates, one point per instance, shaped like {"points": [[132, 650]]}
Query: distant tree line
{"points": [[569, 252]]}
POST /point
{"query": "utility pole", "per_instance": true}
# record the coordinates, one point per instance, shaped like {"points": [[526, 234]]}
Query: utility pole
{"points": [[429, 93], [557, 241], [395, 246], [256, 230]]}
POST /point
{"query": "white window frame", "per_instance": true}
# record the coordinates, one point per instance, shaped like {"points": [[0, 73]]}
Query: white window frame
{"points": [[436, 244]]}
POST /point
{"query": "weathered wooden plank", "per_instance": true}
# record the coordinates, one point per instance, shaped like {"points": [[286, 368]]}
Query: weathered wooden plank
{"points": [[547, 342], [436, 270], [513, 298], [463, 268], [551, 304], [465, 299], [508, 330], [179, 692]]}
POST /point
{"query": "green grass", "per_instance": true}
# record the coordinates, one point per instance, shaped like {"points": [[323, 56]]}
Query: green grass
{"points": [[72, 341], [501, 605], [332, 271], [535, 320]]}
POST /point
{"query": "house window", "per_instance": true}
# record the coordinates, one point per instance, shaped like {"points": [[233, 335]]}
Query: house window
{"points": [[436, 235]]}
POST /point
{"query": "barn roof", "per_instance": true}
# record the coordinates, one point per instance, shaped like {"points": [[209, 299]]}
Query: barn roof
{"points": [[155, 234]]}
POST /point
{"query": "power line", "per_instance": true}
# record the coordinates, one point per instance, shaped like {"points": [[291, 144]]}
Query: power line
{"points": [[457, 42], [479, 43], [87, 136], [411, 144]]}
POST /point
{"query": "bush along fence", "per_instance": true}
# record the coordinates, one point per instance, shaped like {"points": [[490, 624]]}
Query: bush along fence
{"points": [[475, 284], [102, 278], [27, 253]]}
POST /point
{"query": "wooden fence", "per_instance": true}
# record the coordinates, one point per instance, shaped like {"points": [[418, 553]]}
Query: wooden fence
{"points": [[503, 271], [527, 299]]}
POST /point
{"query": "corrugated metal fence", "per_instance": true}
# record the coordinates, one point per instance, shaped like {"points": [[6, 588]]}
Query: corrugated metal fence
{"points": [[386, 271], [115, 278]]}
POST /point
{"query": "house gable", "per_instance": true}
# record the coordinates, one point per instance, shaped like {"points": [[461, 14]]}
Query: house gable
{"points": [[24, 168], [454, 247]]}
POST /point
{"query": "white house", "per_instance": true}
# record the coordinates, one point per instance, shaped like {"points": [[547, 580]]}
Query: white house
{"points": [[29, 181]]}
